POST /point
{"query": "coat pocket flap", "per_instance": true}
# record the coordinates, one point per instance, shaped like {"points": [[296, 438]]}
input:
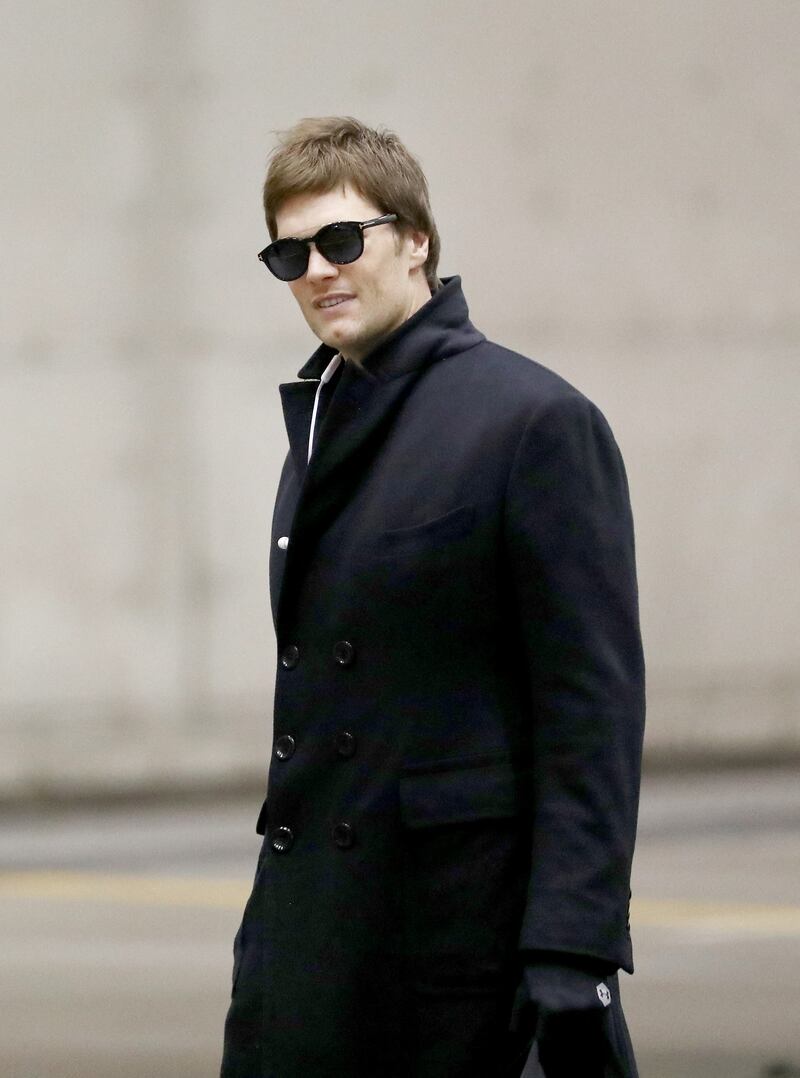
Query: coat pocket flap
{"points": [[487, 790], [431, 534]]}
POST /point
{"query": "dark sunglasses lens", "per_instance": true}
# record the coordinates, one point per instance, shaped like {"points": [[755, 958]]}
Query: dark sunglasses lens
{"points": [[287, 259], [340, 243]]}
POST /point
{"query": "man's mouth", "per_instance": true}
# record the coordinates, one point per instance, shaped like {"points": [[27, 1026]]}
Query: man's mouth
{"points": [[327, 302]]}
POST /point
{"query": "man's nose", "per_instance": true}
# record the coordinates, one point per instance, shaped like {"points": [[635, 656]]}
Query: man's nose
{"points": [[319, 268]]}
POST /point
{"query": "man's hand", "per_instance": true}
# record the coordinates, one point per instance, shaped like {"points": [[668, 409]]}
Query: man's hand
{"points": [[572, 1044], [563, 1004]]}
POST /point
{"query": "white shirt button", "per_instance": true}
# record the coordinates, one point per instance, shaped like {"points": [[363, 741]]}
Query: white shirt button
{"points": [[283, 542]]}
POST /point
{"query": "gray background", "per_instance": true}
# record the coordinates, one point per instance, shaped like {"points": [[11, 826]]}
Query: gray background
{"points": [[616, 182]]}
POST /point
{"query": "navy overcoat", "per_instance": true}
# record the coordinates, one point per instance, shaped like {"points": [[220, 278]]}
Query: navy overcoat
{"points": [[458, 710]]}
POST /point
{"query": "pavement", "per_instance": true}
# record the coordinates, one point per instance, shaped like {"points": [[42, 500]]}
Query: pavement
{"points": [[116, 924]]}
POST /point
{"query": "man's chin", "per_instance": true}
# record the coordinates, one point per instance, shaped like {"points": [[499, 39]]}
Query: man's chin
{"points": [[338, 338]]}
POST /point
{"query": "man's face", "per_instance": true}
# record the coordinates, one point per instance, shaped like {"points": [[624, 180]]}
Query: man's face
{"points": [[352, 307]]}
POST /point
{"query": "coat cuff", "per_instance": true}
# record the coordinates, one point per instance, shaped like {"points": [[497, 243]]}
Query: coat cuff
{"points": [[560, 982]]}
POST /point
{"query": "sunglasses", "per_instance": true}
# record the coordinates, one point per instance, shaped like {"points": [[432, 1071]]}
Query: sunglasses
{"points": [[340, 243]]}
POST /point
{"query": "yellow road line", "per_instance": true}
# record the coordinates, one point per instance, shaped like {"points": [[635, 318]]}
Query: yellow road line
{"points": [[134, 890], [735, 918], [741, 919]]}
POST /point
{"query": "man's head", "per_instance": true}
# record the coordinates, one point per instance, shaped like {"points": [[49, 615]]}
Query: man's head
{"points": [[326, 152], [336, 169]]}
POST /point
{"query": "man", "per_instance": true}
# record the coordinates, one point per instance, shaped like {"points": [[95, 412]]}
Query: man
{"points": [[451, 807]]}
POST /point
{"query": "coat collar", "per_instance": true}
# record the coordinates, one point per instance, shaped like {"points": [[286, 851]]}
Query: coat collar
{"points": [[366, 396], [366, 400], [440, 328]]}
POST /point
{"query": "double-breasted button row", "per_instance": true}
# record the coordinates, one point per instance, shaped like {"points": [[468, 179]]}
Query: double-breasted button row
{"points": [[282, 838], [345, 744], [343, 653]]}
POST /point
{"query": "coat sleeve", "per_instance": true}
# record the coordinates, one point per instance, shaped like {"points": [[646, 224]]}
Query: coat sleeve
{"points": [[570, 559]]}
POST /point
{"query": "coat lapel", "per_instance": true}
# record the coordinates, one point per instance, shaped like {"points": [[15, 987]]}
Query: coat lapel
{"points": [[297, 399], [360, 414], [357, 420]]}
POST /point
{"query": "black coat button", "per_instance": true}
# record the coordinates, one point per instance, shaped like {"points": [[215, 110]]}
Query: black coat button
{"points": [[290, 657], [345, 744], [282, 839], [284, 747], [343, 652], [342, 835]]}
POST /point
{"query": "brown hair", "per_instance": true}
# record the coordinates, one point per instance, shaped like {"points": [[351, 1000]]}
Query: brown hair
{"points": [[320, 153]]}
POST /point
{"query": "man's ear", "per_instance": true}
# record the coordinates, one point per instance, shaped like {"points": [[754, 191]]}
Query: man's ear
{"points": [[418, 248]]}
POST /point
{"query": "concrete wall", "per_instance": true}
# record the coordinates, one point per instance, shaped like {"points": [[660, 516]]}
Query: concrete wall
{"points": [[617, 185]]}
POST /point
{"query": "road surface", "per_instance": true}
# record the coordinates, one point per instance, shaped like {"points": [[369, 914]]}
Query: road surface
{"points": [[116, 925]]}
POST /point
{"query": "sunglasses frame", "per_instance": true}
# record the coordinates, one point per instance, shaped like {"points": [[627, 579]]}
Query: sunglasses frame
{"points": [[358, 226]]}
